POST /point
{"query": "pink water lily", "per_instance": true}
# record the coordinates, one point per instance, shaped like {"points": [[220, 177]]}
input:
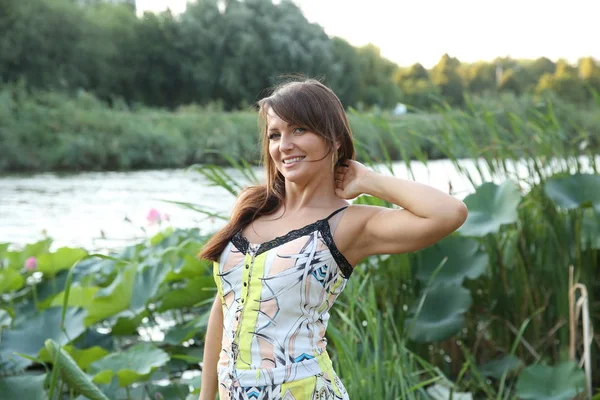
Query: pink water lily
{"points": [[31, 264], [153, 216]]}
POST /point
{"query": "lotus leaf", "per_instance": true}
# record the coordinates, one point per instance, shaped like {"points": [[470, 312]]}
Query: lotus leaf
{"points": [[496, 368], [62, 259], [114, 298], [83, 357], [29, 335], [189, 267], [195, 291], [134, 364], [180, 333], [574, 191], [10, 280], [78, 296], [47, 289], [441, 392], [3, 248], [442, 313], [590, 229], [173, 391], [30, 387], [561, 382], [465, 259], [490, 207], [148, 279], [128, 325]]}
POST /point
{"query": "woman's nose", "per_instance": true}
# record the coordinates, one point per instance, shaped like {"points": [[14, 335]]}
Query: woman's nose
{"points": [[286, 143]]}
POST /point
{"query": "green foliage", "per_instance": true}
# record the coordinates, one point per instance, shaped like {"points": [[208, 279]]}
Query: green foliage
{"points": [[562, 382], [134, 364], [72, 374], [50, 131], [440, 315], [490, 207], [228, 53], [30, 387]]}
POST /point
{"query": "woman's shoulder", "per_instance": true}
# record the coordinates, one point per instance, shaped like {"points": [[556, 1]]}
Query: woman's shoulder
{"points": [[351, 227]]}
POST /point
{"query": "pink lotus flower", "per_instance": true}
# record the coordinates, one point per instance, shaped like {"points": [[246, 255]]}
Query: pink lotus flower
{"points": [[153, 217], [31, 264]]}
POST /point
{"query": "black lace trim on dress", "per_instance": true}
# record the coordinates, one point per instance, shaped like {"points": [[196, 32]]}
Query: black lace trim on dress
{"points": [[322, 225], [339, 258], [240, 242]]}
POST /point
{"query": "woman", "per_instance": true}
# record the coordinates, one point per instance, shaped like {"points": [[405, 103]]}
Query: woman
{"points": [[291, 245]]}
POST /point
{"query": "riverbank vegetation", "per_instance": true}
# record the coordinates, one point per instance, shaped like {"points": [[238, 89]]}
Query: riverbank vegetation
{"points": [[50, 131]]}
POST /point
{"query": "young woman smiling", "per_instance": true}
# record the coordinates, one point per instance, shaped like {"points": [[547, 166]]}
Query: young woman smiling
{"points": [[291, 245]]}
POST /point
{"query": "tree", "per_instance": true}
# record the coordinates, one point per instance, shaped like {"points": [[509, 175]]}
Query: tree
{"points": [[345, 74], [481, 78], [445, 75], [376, 78], [509, 82]]}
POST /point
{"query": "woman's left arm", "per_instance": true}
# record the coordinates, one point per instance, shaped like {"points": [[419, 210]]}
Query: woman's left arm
{"points": [[427, 214]]}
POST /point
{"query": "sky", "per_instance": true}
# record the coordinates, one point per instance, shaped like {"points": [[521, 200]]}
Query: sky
{"points": [[413, 31]]}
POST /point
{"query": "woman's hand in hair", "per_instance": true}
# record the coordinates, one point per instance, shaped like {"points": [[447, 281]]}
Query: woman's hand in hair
{"points": [[350, 178]]}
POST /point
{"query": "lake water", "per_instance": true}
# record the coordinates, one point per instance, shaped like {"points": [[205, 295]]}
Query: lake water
{"points": [[99, 210]]}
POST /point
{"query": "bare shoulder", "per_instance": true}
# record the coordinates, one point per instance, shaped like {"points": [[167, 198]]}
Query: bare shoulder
{"points": [[351, 226]]}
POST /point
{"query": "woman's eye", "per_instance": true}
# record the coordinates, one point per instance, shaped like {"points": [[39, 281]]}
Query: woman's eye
{"points": [[299, 130], [274, 136]]}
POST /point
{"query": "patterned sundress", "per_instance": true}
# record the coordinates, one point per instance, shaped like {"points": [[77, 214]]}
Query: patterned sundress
{"points": [[276, 298]]}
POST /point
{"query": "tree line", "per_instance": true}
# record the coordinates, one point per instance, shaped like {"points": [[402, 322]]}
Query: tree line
{"points": [[225, 53]]}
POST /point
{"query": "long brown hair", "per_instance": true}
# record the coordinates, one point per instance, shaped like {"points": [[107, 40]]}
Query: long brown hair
{"points": [[307, 103]]}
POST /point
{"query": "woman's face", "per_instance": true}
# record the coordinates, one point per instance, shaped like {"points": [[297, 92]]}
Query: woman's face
{"points": [[297, 153]]}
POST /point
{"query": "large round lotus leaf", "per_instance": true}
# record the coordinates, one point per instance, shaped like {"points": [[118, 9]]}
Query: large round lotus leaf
{"points": [[465, 259], [496, 368], [442, 314], [130, 366], [29, 335], [63, 258], [561, 382], [574, 191], [490, 207], [29, 387]]}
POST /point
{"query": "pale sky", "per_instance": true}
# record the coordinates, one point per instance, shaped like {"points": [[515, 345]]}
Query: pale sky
{"points": [[422, 30]]}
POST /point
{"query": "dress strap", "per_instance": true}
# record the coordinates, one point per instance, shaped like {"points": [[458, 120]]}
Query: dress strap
{"points": [[335, 212]]}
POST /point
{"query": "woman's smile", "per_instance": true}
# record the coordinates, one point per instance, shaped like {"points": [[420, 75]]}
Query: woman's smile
{"points": [[290, 162]]}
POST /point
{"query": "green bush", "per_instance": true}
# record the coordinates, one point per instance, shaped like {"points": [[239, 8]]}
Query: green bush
{"points": [[45, 131]]}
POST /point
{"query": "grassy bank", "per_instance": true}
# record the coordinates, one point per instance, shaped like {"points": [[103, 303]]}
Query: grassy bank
{"points": [[48, 131]]}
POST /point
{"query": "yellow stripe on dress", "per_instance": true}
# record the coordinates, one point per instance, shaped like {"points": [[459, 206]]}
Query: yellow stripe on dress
{"points": [[251, 296], [217, 278]]}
